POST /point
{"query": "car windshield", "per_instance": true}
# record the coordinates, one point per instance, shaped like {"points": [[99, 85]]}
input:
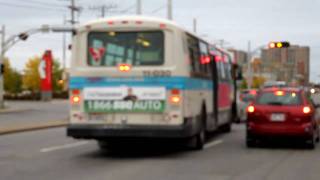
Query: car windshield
{"points": [[247, 97], [279, 98]]}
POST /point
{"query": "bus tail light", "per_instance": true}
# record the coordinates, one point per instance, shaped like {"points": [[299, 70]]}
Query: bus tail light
{"points": [[75, 99], [124, 67], [75, 96], [175, 99]]}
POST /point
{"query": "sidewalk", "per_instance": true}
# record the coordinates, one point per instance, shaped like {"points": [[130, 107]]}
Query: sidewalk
{"points": [[30, 115]]}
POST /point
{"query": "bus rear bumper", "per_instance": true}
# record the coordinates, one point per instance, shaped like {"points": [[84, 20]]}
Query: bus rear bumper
{"points": [[85, 131]]}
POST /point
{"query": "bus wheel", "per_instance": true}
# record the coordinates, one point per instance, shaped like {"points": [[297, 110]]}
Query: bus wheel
{"points": [[226, 128], [197, 142], [103, 145]]}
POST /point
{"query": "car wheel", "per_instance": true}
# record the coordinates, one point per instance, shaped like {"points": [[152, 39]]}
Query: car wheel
{"points": [[250, 141], [318, 136], [311, 142]]}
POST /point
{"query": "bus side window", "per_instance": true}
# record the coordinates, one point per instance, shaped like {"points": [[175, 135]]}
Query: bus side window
{"points": [[205, 64], [222, 70], [194, 53]]}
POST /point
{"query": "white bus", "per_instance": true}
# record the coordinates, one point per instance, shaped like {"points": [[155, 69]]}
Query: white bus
{"points": [[142, 77]]}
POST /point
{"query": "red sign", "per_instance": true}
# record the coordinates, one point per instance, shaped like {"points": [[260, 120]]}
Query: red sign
{"points": [[45, 71]]}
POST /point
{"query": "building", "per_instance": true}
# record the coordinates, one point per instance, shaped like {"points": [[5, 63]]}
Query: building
{"points": [[241, 59], [286, 64]]}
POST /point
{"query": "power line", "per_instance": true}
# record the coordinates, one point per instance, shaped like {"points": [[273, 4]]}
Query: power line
{"points": [[103, 8], [42, 3], [29, 7], [128, 9], [158, 9]]}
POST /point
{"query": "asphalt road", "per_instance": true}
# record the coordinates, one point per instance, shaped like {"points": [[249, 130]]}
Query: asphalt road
{"points": [[33, 112], [50, 155]]}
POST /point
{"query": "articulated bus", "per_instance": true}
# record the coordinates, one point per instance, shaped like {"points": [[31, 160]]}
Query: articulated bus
{"points": [[142, 77]]}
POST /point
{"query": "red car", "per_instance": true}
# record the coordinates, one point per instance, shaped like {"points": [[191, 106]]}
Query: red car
{"points": [[282, 112]]}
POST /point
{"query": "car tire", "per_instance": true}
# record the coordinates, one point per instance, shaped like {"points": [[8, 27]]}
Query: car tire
{"points": [[311, 142], [250, 140]]}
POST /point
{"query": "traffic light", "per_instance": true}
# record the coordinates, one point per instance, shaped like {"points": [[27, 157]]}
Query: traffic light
{"points": [[283, 44], [23, 36], [1, 69]]}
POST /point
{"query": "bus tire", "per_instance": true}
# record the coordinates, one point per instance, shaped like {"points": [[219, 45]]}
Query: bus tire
{"points": [[103, 145], [226, 128], [198, 141]]}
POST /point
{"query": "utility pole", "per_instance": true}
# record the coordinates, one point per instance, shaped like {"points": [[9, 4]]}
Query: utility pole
{"points": [[64, 45], [249, 71], [3, 34], [73, 9], [139, 7], [195, 25], [170, 9]]}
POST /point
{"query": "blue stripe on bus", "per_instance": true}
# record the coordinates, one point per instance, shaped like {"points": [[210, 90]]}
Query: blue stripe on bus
{"points": [[173, 82]]}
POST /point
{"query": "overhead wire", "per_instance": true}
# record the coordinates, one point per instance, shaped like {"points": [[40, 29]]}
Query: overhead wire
{"points": [[42, 3], [29, 7]]}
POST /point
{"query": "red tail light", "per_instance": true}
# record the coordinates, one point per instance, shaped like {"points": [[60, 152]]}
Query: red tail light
{"points": [[75, 92], [175, 97], [306, 110], [250, 109]]}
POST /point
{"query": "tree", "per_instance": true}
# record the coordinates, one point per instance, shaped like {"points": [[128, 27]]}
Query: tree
{"points": [[57, 71], [244, 84], [31, 78], [12, 78], [258, 81]]}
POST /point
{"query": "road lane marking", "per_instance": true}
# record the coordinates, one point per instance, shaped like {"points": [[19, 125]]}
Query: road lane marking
{"points": [[65, 146], [213, 143]]}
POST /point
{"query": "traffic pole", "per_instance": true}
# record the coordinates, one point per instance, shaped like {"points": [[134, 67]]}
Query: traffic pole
{"points": [[3, 34]]}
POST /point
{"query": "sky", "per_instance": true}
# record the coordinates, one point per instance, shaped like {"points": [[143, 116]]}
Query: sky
{"points": [[234, 21]]}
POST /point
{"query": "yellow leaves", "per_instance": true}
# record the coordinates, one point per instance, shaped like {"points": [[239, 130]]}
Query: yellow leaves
{"points": [[31, 78]]}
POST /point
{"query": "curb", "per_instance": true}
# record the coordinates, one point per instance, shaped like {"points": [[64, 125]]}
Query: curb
{"points": [[33, 127], [8, 110]]}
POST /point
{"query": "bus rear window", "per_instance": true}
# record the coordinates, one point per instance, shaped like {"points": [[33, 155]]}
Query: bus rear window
{"points": [[134, 48]]}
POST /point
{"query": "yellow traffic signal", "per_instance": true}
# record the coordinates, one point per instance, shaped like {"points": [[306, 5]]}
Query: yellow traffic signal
{"points": [[279, 45]]}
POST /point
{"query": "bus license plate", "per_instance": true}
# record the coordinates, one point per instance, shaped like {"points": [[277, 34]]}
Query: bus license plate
{"points": [[96, 117], [277, 117]]}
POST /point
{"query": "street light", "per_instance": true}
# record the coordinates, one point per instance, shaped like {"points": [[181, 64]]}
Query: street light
{"points": [[6, 44]]}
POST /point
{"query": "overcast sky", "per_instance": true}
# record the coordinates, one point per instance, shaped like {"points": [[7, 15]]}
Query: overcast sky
{"points": [[235, 21]]}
